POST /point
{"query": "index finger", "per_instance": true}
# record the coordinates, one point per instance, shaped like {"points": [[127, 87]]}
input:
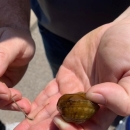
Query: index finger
{"points": [[114, 96], [50, 90]]}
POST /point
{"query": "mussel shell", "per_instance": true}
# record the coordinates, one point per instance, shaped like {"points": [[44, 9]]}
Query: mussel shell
{"points": [[76, 108]]}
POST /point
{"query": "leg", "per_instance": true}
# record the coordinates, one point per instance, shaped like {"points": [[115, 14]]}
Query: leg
{"points": [[56, 48]]}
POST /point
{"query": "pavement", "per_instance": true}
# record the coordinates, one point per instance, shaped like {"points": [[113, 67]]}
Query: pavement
{"points": [[36, 78]]}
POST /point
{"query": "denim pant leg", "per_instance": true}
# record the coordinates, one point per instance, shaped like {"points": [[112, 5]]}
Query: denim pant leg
{"points": [[56, 48]]}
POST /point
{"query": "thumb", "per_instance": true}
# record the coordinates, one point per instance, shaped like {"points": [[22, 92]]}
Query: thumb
{"points": [[62, 125], [5, 93], [111, 95], [9, 49], [16, 48]]}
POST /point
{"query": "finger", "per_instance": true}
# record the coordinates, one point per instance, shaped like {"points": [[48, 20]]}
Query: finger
{"points": [[46, 114], [45, 123], [49, 110], [50, 90], [22, 126], [5, 93], [62, 125], [69, 81], [6, 56], [13, 93], [41, 113], [13, 75], [22, 105], [14, 44], [26, 124], [100, 121], [111, 95]]}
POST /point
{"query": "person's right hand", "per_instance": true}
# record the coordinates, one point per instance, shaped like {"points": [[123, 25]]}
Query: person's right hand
{"points": [[99, 64], [16, 50]]}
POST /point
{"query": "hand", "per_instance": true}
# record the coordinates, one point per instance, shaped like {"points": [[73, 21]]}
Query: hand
{"points": [[16, 50], [99, 65], [73, 76]]}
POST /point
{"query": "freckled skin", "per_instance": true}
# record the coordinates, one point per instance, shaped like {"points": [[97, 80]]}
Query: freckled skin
{"points": [[76, 108]]}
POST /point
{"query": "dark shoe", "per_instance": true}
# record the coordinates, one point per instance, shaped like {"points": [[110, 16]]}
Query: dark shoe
{"points": [[2, 126]]}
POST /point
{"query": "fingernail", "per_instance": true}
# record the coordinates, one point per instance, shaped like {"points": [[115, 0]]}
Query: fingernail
{"points": [[4, 96], [61, 124], [96, 97]]}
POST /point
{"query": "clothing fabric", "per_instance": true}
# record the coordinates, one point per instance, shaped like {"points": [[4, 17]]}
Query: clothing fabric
{"points": [[71, 19], [63, 22], [56, 48]]}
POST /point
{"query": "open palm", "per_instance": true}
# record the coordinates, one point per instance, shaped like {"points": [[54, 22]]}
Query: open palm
{"points": [[96, 66]]}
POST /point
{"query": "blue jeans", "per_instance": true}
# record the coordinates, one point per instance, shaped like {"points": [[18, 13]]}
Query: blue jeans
{"points": [[56, 48]]}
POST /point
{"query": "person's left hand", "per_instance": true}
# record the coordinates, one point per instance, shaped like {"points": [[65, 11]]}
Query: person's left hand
{"points": [[16, 50]]}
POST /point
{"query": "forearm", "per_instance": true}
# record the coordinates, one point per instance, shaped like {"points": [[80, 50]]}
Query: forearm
{"points": [[15, 13]]}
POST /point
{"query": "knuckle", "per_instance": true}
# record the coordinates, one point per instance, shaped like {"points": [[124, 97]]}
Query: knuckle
{"points": [[3, 55]]}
